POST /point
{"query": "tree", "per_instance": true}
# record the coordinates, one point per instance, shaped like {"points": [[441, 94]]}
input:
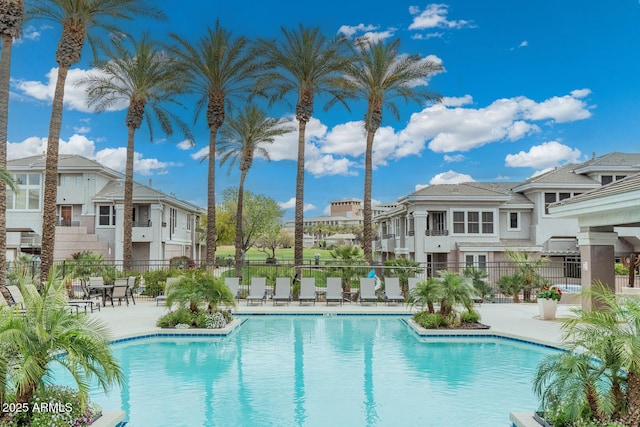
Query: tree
{"points": [[259, 214], [379, 73], [347, 259], [306, 63], [197, 287], [244, 135], [455, 290], [426, 293], [274, 238], [219, 67], [46, 330], [11, 18], [511, 285], [528, 267], [79, 19], [598, 377], [147, 79]]}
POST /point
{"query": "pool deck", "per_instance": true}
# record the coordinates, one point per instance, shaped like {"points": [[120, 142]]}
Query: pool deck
{"points": [[519, 321]]}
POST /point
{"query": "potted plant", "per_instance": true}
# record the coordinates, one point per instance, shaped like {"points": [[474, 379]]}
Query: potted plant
{"points": [[548, 298]]}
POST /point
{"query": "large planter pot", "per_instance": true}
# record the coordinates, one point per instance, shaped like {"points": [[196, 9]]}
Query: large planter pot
{"points": [[547, 308]]}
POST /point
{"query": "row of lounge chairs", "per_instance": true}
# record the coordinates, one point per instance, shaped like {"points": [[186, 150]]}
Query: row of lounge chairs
{"points": [[16, 300], [309, 294]]}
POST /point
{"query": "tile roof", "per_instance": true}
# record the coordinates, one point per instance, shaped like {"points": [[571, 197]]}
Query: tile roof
{"points": [[626, 185], [500, 191]]}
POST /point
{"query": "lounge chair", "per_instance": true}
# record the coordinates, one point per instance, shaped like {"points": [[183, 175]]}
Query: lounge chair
{"points": [[8, 303], [16, 296], [392, 292], [412, 283], [82, 297], [120, 291], [162, 298], [283, 290], [233, 283], [257, 290], [368, 290], [307, 290], [334, 290]]}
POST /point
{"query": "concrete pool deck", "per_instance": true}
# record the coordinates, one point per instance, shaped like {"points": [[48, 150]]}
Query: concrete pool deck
{"points": [[519, 321]]}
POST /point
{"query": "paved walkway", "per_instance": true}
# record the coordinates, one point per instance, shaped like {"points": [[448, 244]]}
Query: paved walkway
{"points": [[515, 320]]}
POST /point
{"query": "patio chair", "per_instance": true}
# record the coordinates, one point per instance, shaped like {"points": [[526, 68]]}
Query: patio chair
{"points": [[8, 303], [16, 296], [307, 290], [334, 290], [82, 297], [368, 290], [392, 292], [131, 283], [97, 287], [283, 290], [233, 283], [162, 298], [120, 291], [257, 290]]}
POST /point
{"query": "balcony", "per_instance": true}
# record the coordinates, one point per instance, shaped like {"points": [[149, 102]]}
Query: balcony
{"points": [[437, 241], [388, 242], [436, 232], [67, 223], [142, 234]]}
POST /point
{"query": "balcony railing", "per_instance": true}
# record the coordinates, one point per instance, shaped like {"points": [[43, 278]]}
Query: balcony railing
{"points": [[436, 232], [389, 236], [67, 223], [141, 223]]}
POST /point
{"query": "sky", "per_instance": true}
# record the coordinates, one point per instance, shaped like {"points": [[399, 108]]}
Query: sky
{"points": [[525, 86]]}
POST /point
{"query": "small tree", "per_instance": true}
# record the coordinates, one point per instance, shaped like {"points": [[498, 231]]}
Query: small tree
{"points": [[197, 287], [346, 258], [528, 268], [478, 278], [426, 294], [402, 268], [511, 285], [455, 290]]}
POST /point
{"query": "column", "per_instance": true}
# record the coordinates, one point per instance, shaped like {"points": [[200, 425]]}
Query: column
{"points": [[419, 227], [597, 259]]}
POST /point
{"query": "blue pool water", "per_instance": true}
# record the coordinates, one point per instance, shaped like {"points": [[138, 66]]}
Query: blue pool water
{"points": [[323, 371]]}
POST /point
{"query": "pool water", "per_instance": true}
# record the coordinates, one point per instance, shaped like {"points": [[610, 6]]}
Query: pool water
{"points": [[323, 371]]}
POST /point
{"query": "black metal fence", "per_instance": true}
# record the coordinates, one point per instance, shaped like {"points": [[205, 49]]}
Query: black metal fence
{"points": [[565, 274]]}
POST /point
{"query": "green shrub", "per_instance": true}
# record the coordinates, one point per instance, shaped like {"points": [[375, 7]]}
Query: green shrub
{"points": [[181, 315], [621, 270], [154, 280], [431, 321], [470, 316]]}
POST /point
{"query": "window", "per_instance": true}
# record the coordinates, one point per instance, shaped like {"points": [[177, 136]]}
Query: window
{"points": [[28, 195], [473, 222], [514, 221], [189, 218], [555, 197], [458, 222], [606, 179], [173, 221], [410, 224], [487, 222], [107, 215], [476, 261]]}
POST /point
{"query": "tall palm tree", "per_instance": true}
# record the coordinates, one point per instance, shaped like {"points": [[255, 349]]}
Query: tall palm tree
{"points": [[46, 330], [11, 19], [244, 135], [219, 67], [379, 74], [308, 64], [148, 79], [79, 20]]}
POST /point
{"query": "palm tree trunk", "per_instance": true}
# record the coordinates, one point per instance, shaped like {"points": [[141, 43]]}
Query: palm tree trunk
{"points": [[239, 245], [366, 234], [633, 400], [211, 200], [127, 224], [5, 68], [298, 254], [51, 175]]}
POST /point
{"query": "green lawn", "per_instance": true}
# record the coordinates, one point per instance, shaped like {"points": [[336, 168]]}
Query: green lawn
{"points": [[281, 254]]}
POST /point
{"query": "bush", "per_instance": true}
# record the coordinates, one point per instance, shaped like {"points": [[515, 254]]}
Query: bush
{"points": [[63, 409], [621, 270], [201, 319], [431, 321], [181, 315], [470, 316], [154, 280]]}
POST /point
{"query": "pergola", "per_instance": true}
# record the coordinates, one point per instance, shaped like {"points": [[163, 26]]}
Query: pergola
{"points": [[598, 212]]}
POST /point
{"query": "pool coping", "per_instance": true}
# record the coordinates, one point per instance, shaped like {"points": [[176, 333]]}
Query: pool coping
{"points": [[229, 329], [109, 419]]}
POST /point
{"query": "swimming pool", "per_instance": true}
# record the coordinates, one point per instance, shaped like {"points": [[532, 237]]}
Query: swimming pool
{"points": [[321, 371]]}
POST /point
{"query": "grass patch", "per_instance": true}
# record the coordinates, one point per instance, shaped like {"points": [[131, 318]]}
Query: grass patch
{"points": [[281, 254]]}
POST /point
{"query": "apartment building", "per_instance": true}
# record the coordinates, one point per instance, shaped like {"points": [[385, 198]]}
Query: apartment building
{"points": [[90, 213]]}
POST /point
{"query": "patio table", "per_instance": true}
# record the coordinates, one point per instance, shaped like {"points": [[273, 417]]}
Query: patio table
{"points": [[104, 289]]}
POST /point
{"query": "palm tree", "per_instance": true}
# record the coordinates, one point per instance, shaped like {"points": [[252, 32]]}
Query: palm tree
{"points": [[379, 73], [11, 19], [243, 136], [218, 68], [455, 290], [147, 78], [528, 268], [426, 293], [79, 19], [46, 330], [308, 64], [600, 372], [197, 287]]}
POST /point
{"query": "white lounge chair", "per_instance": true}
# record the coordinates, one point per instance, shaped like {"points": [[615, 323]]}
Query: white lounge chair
{"points": [[392, 292], [233, 283], [257, 290], [334, 290], [162, 298], [307, 290], [368, 290], [283, 290]]}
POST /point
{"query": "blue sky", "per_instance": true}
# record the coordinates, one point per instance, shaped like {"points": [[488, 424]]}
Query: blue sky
{"points": [[526, 86]]}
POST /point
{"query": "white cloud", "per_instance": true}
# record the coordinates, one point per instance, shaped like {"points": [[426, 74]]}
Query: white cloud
{"points": [[350, 30], [201, 154], [463, 129], [426, 36], [81, 129], [420, 186], [75, 95], [449, 101], [454, 158], [187, 144], [434, 16], [522, 44], [546, 155], [451, 177], [327, 210], [376, 36], [291, 204]]}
